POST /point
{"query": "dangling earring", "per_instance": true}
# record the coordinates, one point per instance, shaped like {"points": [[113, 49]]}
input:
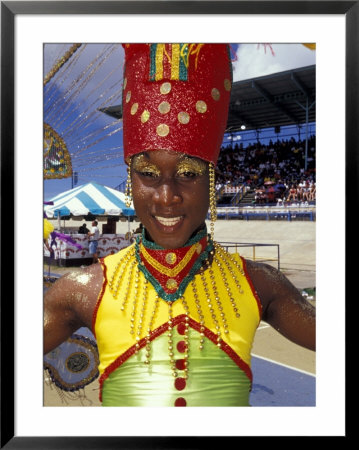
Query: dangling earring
{"points": [[128, 190], [212, 199]]}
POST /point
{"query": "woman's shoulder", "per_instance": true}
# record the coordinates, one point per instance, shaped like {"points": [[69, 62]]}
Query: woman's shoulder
{"points": [[264, 278]]}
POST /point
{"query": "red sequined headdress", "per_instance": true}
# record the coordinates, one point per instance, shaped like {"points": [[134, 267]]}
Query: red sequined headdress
{"points": [[176, 96]]}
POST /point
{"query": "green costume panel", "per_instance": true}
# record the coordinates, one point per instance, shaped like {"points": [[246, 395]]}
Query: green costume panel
{"points": [[136, 384]]}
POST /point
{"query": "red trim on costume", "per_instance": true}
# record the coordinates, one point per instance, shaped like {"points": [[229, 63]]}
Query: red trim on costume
{"points": [[256, 296], [160, 330], [100, 297], [224, 346]]}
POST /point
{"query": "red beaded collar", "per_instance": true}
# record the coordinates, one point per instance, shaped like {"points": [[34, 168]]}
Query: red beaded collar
{"points": [[170, 271]]}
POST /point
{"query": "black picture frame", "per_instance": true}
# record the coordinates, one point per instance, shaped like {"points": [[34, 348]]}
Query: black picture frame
{"points": [[9, 9]]}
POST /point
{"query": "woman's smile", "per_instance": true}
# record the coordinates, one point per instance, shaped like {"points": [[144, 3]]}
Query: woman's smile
{"points": [[169, 222]]}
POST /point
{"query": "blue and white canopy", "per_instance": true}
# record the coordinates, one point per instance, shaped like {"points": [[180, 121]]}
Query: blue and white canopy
{"points": [[90, 198]]}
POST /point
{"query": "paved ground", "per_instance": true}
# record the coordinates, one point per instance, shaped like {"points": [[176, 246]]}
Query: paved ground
{"points": [[288, 368]]}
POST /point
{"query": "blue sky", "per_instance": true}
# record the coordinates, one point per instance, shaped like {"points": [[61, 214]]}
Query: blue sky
{"points": [[92, 78]]}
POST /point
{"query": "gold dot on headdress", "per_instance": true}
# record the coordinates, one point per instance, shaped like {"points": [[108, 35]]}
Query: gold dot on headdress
{"points": [[134, 108], [128, 96], [124, 83], [165, 88], [164, 107], [201, 106], [215, 94], [145, 116], [227, 85], [162, 130], [183, 117]]}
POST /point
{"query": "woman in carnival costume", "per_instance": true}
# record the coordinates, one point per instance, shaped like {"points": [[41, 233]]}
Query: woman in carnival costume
{"points": [[174, 314]]}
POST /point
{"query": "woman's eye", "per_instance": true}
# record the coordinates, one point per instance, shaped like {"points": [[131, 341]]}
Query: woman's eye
{"points": [[187, 174], [149, 174]]}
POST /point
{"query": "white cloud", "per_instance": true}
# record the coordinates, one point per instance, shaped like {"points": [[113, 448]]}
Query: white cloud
{"points": [[255, 61]]}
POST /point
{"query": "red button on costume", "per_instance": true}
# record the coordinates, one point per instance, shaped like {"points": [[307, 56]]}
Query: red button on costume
{"points": [[180, 401], [181, 346], [181, 328], [180, 364], [180, 384]]}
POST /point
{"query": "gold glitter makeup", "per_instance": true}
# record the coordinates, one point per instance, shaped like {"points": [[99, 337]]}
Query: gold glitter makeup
{"points": [[79, 297], [81, 278], [184, 167], [141, 165], [191, 165], [47, 319]]}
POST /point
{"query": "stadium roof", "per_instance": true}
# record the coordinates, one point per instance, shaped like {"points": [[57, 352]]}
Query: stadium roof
{"points": [[273, 100], [279, 99]]}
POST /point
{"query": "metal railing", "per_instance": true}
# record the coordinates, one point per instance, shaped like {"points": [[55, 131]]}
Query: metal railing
{"points": [[236, 245], [270, 213], [236, 199]]}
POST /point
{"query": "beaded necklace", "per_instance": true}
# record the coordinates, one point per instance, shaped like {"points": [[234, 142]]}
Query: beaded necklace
{"points": [[170, 271], [177, 274]]}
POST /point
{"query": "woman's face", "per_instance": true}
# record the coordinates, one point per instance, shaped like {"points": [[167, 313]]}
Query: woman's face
{"points": [[170, 194]]}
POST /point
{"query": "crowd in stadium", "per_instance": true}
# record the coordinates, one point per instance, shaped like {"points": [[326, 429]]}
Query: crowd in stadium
{"points": [[276, 171]]}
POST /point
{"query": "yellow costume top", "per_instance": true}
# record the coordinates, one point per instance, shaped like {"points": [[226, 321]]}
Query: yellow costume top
{"points": [[159, 350]]}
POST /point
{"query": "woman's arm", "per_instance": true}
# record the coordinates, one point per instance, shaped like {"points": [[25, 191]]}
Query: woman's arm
{"points": [[69, 305], [284, 308]]}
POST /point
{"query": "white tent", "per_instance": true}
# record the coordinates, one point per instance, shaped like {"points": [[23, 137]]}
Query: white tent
{"points": [[91, 198]]}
